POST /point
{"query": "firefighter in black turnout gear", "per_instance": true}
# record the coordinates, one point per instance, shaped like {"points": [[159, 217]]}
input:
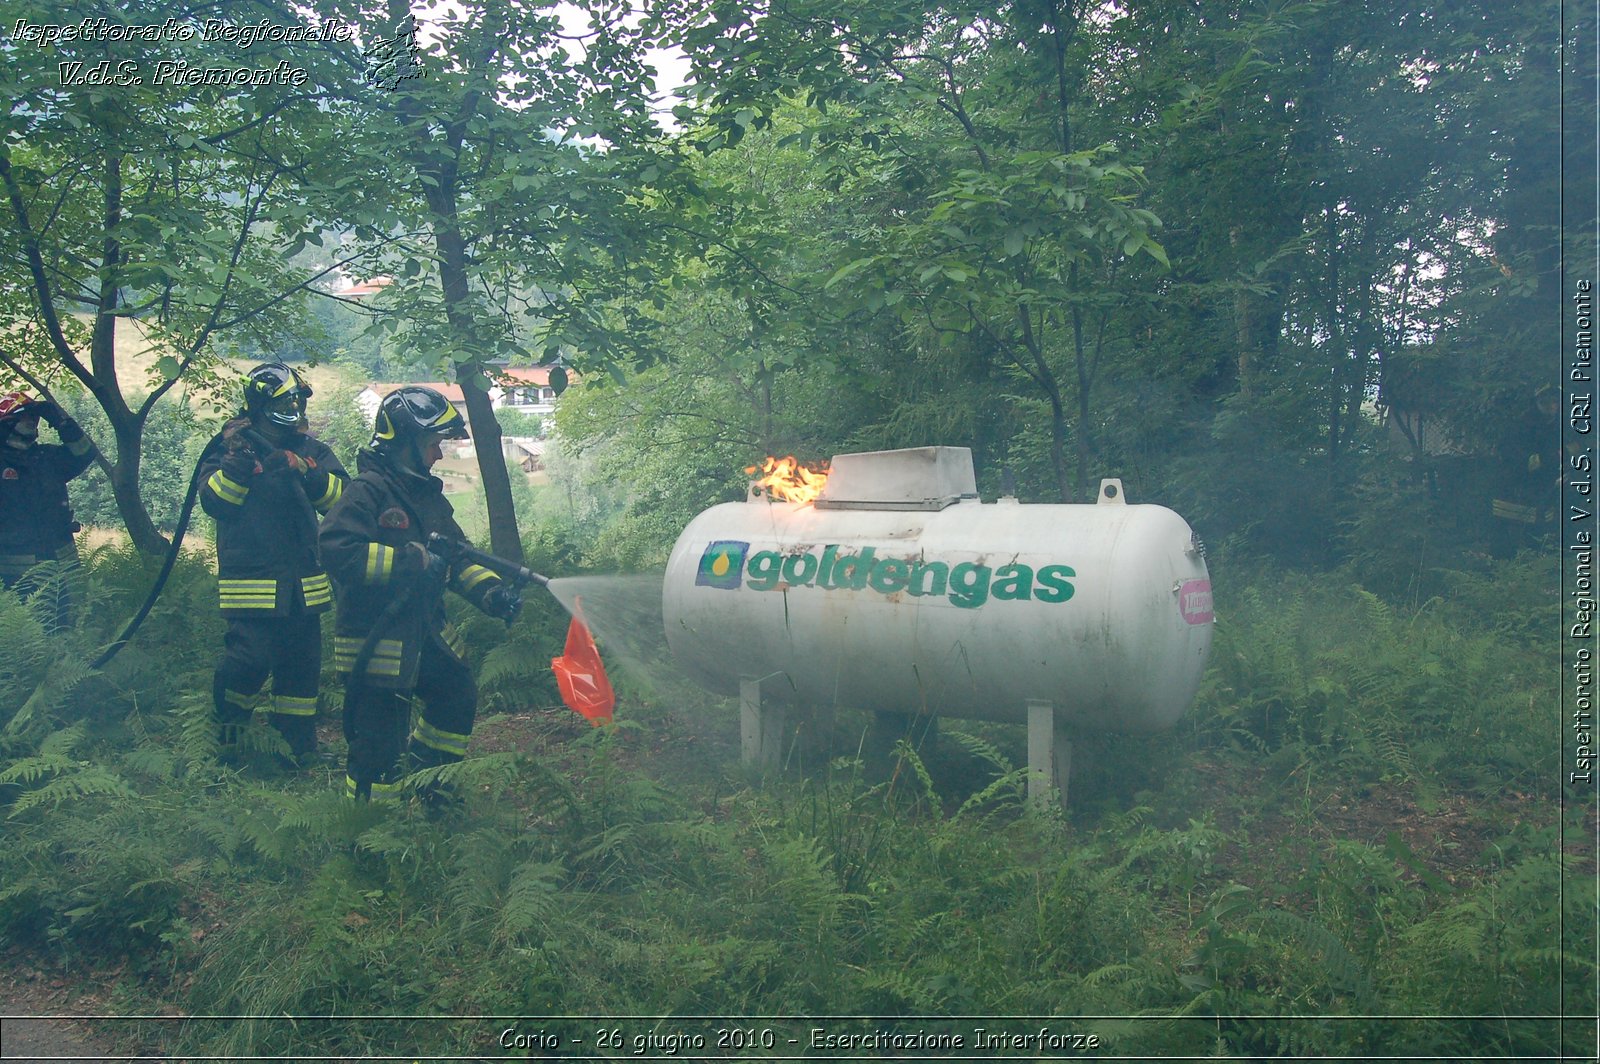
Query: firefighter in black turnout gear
{"points": [[36, 524], [265, 484], [391, 619]]}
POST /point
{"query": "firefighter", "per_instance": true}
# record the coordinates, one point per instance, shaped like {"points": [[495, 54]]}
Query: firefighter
{"points": [[391, 618], [36, 522], [265, 485]]}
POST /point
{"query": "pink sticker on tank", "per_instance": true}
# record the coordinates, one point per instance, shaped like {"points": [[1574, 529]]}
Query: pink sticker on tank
{"points": [[1194, 601]]}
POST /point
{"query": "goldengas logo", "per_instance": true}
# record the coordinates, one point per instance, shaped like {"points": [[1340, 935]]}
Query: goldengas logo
{"points": [[722, 564], [967, 585]]}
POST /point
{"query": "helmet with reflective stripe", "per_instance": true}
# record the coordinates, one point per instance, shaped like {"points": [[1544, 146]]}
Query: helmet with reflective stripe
{"points": [[412, 412], [15, 405], [278, 392]]}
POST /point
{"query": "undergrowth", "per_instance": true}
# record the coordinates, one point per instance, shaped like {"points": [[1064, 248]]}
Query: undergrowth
{"points": [[1228, 904]]}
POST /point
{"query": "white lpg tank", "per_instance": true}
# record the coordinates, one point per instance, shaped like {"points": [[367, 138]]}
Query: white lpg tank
{"points": [[898, 589]]}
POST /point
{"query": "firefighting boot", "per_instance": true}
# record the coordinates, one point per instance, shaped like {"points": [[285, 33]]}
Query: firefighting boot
{"points": [[440, 799], [232, 713], [295, 719]]}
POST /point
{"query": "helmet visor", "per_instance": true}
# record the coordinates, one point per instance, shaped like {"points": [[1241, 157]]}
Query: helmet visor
{"points": [[286, 409]]}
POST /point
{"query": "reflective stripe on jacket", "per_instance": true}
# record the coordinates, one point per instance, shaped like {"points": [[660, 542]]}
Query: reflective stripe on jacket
{"points": [[268, 560], [365, 542]]}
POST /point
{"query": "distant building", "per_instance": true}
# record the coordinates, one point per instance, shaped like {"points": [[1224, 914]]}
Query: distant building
{"points": [[525, 391], [527, 452], [363, 289]]}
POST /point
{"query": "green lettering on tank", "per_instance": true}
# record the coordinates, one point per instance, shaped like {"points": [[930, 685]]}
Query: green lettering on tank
{"points": [[967, 585]]}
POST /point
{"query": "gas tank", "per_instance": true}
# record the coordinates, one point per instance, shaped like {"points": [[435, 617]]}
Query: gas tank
{"points": [[899, 589]]}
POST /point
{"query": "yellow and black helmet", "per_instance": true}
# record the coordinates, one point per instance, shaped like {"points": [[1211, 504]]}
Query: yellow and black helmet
{"points": [[277, 391], [414, 411]]}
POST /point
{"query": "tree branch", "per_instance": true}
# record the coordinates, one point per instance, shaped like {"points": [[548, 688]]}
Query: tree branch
{"points": [[41, 283]]}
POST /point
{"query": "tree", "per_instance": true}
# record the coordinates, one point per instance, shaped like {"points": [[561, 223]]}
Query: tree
{"points": [[997, 223], [527, 168], [1377, 185], [132, 193]]}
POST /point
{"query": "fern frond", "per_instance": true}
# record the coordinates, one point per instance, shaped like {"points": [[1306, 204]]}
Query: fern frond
{"points": [[530, 897], [87, 781], [1009, 791], [65, 674], [980, 748], [1336, 962], [905, 754]]}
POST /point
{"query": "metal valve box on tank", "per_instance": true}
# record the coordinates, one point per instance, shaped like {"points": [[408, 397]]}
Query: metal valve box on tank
{"points": [[898, 589]]}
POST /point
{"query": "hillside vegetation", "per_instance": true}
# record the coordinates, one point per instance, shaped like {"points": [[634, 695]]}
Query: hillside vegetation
{"points": [[1301, 271], [1357, 819]]}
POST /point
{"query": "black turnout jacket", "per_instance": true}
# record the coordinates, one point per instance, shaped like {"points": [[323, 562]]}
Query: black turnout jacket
{"points": [[266, 513], [35, 517], [365, 544]]}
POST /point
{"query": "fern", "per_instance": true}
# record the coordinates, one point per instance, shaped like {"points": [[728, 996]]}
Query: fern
{"points": [[980, 748], [1331, 959], [1005, 793], [52, 692], [907, 756], [53, 775], [72, 785], [530, 897]]}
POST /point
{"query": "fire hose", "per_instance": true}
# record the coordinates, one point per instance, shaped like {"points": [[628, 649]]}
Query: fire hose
{"points": [[580, 676], [509, 571], [184, 513], [432, 582]]}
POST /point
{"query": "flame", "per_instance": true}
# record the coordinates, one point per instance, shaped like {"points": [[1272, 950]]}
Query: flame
{"points": [[786, 480]]}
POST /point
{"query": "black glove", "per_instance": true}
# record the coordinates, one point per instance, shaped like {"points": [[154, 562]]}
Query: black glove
{"points": [[434, 566], [233, 434], [284, 459], [438, 568], [502, 602], [69, 430], [240, 466]]}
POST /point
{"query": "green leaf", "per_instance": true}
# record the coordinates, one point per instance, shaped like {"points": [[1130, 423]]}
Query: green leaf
{"points": [[846, 270]]}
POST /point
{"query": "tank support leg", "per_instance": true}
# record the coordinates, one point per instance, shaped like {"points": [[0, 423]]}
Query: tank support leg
{"points": [[1049, 753], [761, 728]]}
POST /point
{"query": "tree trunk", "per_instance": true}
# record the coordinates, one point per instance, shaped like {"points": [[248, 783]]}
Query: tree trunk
{"points": [[125, 424], [505, 539], [1085, 383], [1058, 449], [147, 539]]}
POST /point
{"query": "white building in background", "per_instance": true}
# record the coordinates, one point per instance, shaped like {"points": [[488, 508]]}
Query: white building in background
{"points": [[523, 391]]}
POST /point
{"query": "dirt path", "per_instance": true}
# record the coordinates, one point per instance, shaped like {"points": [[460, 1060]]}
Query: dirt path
{"points": [[26, 995], [32, 1040]]}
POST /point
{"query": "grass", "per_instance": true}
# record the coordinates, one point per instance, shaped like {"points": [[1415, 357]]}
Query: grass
{"points": [[1277, 858]]}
